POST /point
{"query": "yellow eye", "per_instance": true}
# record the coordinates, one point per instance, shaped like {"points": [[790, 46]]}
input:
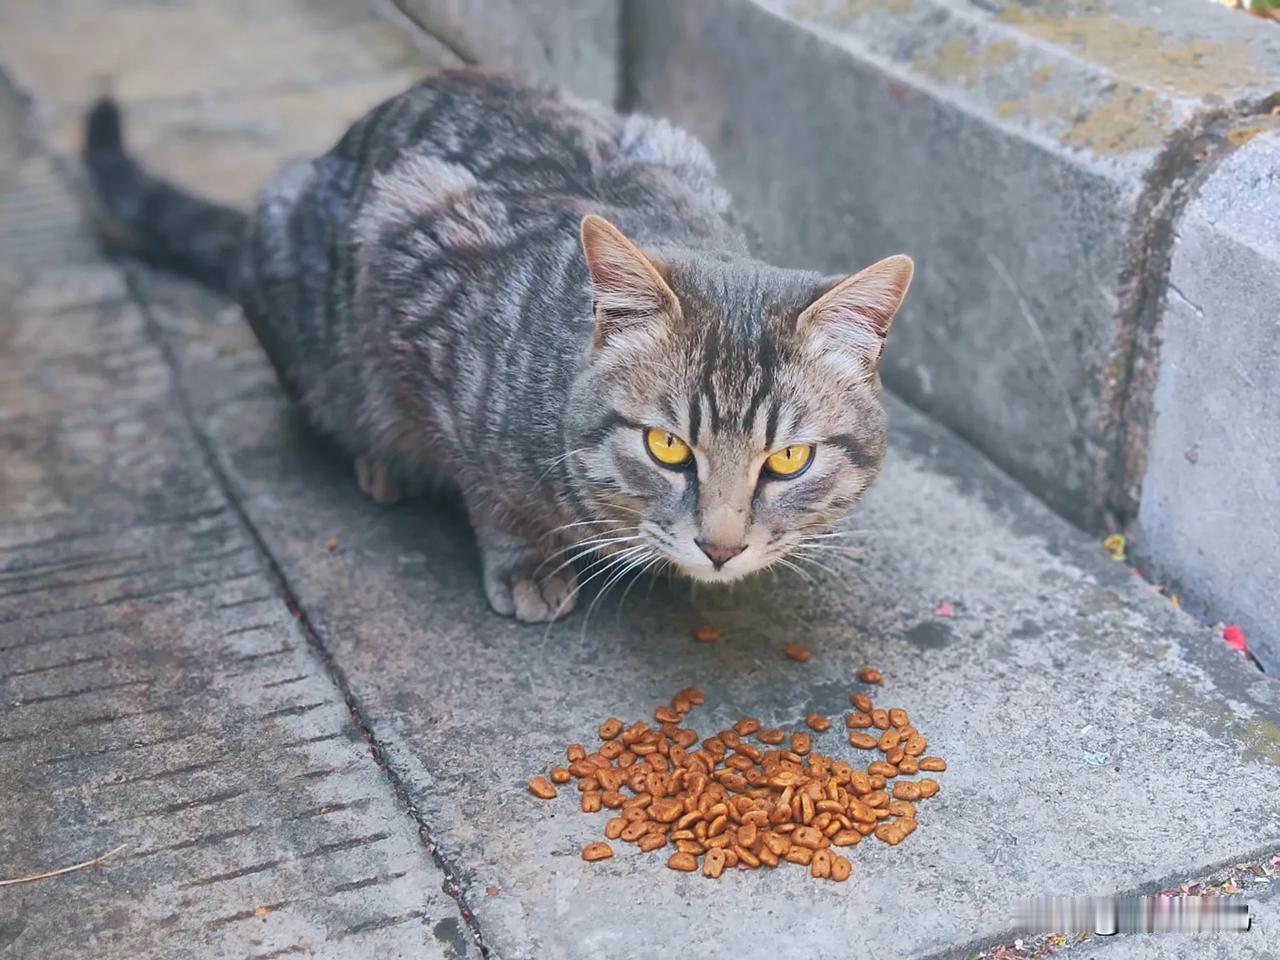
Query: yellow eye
{"points": [[790, 461], [668, 449]]}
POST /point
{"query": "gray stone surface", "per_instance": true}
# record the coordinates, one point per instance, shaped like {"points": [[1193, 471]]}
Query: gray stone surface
{"points": [[156, 693], [1091, 727], [1029, 156], [571, 42], [1210, 516]]}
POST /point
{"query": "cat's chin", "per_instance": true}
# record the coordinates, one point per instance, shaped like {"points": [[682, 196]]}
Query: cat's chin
{"points": [[727, 574]]}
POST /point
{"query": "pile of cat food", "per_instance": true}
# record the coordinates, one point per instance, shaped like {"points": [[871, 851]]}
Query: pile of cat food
{"points": [[725, 802]]}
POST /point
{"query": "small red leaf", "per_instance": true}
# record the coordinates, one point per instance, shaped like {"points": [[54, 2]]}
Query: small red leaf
{"points": [[1235, 638]]}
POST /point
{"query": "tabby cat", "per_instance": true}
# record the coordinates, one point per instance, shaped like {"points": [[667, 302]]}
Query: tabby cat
{"points": [[547, 306]]}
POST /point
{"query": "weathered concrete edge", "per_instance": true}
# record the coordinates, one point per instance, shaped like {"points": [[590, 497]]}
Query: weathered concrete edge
{"points": [[1225, 259], [576, 45]]}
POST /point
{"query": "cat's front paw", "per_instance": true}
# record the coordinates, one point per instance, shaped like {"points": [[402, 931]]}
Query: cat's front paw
{"points": [[530, 599]]}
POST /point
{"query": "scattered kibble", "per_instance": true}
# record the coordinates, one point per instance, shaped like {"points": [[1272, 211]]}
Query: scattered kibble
{"points": [[722, 802], [332, 544], [541, 787], [491, 891], [795, 651], [869, 675], [706, 635], [597, 851]]}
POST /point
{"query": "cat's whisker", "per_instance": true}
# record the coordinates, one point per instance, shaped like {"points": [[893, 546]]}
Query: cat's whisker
{"points": [[609, 562], [633, 564], [842, 534], [601, 538], [556, 461], [582, 523], [656, 559], [589, 548], [784, 562], [805, 558]]}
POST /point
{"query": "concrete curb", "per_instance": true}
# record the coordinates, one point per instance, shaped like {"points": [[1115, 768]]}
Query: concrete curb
{"points": [[1032, 160], [1211, 496], [577, 45]]}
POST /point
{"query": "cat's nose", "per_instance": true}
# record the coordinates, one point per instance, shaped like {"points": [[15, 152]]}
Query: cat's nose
{"points": [[719, 555]]}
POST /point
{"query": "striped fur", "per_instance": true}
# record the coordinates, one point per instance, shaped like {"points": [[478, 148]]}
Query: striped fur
{"points": [[423, 293]]}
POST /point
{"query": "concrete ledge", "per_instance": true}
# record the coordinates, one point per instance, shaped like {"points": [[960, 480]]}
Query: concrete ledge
{"points": [[575, 44], [1210, 515], [1031, 158]]}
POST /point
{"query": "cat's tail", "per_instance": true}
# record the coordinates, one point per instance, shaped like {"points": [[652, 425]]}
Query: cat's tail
{"points": [[153, 219]]}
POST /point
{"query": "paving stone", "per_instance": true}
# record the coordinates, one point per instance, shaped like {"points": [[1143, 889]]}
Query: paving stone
{"points": [[1209, 524]]}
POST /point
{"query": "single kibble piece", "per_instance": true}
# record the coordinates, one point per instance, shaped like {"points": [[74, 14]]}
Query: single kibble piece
{"points": [[613, 829], [840, 868], [772, 736], [541, 787], [869, 675], [916, 745], [610, 728], [683, 861], [857, 721], [575, 752], [908, 766], [597, 851], [883, 768], [820, 865], [560, 775], [902, 808], [905, 790], [817, 721], [898, 716], [927, 787], [846, 838], [693, 695], [591, 802], [933, 764], [713, 863], [706, 634], [666, 715], [861, 701], [795, 651], [880, 719], [747, 726], [863, 741], [800, 743], [651, 841], [888, 740]]}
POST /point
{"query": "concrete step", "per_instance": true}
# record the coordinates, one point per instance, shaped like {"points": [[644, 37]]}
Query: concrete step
{"points": [[1099, 739]]}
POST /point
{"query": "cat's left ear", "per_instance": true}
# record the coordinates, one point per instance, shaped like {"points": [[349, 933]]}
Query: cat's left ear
{"points": [[853, 316], [629, 293]]}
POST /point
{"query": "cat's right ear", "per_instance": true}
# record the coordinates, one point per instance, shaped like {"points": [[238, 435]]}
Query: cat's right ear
{"points": [[629, 295]]}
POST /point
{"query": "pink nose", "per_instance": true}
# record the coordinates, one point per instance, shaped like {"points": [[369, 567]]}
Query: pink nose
{"points": [[719, 555]]}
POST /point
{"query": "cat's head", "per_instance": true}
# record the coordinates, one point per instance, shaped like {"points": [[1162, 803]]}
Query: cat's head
{"points": [[727, 409]]}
